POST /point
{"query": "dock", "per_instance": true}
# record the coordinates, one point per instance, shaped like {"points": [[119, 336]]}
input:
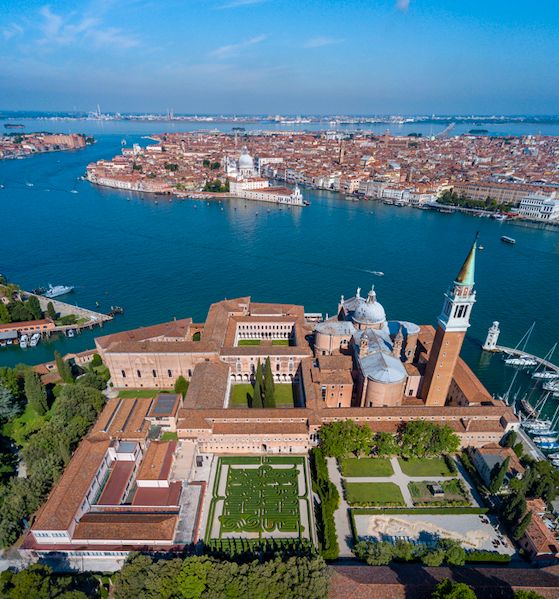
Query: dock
{"points": [[517, 352], [88, 318]]}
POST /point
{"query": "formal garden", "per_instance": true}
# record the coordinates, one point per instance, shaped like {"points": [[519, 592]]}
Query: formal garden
{"points": [[256, 497]]}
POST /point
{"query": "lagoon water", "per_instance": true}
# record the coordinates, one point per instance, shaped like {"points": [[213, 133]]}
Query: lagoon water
{"points": [[160, 259]]}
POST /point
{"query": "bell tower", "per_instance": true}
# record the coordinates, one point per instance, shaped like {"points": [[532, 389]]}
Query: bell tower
{"points": [[453, 322]]}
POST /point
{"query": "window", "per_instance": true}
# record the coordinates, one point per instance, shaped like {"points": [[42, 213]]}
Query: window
{"points": [[154, 373], [139, 374], [189, 372], [169, 373], [123, 372]]}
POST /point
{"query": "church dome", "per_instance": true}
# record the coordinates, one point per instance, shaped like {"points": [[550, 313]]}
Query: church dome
{"points": [[369, 311], [245, 160]]}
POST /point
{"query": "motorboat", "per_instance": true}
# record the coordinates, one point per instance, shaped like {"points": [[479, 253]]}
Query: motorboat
{"points": [[509, 240], [546, 375], [35, 338], [548, 445], [58, 290], [70, 333], [535, 425], [552, 386], [522, 362], [554, 456], [545, 440], [23, 340], [546, 432]]}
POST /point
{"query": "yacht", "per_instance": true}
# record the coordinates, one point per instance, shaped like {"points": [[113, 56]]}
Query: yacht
{"points": [[546, 375], [547, 444], [523, 361], [552, 386], [536, 425], [58, 290], [545, 440], [35, 338], [546, 432], [553, 456], [23, 341]]}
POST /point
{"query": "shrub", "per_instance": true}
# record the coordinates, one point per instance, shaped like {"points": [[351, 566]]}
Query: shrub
{"points": [[329, 501]]}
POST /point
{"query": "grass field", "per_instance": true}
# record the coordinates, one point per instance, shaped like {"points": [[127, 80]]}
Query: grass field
{"points": [[453, 493], [140, 393], [366, 467], [241, 393], [424, 467], [248, 342], [280, 342], [373, 494], [169, 436]]}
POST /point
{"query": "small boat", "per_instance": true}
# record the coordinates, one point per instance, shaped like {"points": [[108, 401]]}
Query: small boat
{"points": [[23, 340], [500, 217], [480, 247], [74, 191], [552, 386], [546, 432], [528, 408], [30, 184], [522, 362], [70, 333], [553, 456], [533, 425], [58, 290], [546, 375], [506, 239], [35, 338], [547, 444]]}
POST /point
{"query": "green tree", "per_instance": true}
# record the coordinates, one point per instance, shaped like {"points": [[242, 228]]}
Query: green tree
{"points": [[52, 312], [527, 595], [5, 316], [519, 531], [344, 437], [9, 407], [511, 439], [35, 392], [34, 307], [433, 557], [181, 386], [12, 379], [91, 379], [384, 444], [420, 439], [258, 390], [96, 361], [64, 368], [269, 388], [498, 474], [455, 555], [191, 581], [19, 312], [447, 589], [378, 553]]}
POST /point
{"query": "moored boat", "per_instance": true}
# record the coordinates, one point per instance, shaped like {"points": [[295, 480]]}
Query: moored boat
{"points": [[506, 239], [58, 290]]}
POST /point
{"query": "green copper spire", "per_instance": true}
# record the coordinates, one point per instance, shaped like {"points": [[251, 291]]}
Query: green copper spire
{"points": [[467, 272]]}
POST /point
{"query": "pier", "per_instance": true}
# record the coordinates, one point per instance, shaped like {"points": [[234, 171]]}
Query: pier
{"points": [[86, 319], [517, 352]]}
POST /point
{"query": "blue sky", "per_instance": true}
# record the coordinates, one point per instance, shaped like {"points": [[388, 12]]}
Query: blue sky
{"points": [[281, 56]]}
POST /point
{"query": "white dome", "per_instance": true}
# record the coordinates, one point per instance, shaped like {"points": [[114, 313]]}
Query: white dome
{"points": [[369, 311], [245, 160]]}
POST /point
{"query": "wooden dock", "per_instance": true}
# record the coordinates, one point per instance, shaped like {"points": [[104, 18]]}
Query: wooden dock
{"points": [[517, 352]]}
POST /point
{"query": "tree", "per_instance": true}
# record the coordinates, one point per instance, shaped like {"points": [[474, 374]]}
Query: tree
{"points": [[96, 361], [91, 379], [433, 557], [35, 392], [12, 379], [191, 581], [374, 553], [64, 368], [34, 307], [19, 312], [9, 407], [5, 316], [519, 531], [181, 386], [269, 388], [52, 312], [447, 589], [384, 445], [343, 437], [257, 390], [455, 555], [498, 474], [511, 438], [528, 595], [419, 439]]}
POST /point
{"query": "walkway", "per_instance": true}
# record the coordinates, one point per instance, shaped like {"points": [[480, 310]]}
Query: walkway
{"points": [[341, 516]]}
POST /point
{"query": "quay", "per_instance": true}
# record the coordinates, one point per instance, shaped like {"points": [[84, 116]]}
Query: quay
{"points": [[87, 319]]}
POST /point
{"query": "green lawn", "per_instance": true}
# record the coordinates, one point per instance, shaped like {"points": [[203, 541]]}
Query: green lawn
{"points": [[249, 342], [453, 493], [140, 393], [241, 392], [424, 467], [373, 494], [366, 467], [24, 425], [169, 436], [280, 342]]}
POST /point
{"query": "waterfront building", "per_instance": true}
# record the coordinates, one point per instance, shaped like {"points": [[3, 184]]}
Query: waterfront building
{"points": [[539, 207], [503, 193]]}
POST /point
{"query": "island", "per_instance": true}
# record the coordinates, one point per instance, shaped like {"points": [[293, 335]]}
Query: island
{"points": [[20, 145]]}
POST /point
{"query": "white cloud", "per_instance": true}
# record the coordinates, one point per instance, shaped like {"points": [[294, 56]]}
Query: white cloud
{"points": [[318, 42], [11, 31], [233, 49], [240, 3], [403, 5], [59, 30]]}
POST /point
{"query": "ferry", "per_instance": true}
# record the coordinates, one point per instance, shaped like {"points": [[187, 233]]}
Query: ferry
{"points": [[506, 239], [58, 290], [23, 341]]}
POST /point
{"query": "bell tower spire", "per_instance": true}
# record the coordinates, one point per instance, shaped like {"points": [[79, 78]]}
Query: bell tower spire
{"points": [[453, 322]]}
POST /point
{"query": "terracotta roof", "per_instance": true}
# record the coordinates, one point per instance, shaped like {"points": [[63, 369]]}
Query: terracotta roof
{"points": [[126, 526], [157, 461], [208, 386], [175, 328], [158, 496], [260, 428], [537, 532], [68, 494], [124, 418]]}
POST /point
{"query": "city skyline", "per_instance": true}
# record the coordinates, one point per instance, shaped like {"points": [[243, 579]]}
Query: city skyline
{"points": [[258, 56]]}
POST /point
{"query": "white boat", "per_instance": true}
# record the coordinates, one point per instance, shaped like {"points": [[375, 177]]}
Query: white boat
{"points": [[70, 333], [58, 290], [552, 386], [535, 425], [73, 191], [553, 456], [546, 432], [35, 338], [521, 362], [547, 375], [23, 341], [545, 440]]}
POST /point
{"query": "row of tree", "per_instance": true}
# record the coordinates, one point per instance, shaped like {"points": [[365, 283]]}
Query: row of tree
{"points": [[415, 439], [329, 502], [264, 391]]}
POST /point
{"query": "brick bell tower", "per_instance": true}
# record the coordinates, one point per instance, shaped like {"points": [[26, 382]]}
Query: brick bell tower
{"points": [[453, 322]]}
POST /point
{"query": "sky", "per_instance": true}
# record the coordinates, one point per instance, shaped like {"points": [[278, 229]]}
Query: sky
{"points": [[281, 56]]}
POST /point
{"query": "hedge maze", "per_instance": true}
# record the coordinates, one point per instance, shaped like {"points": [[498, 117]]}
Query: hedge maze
{"points": [[260, 498]]}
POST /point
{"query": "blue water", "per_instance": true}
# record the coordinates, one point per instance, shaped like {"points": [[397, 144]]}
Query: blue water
{"points": [[166, 259]]}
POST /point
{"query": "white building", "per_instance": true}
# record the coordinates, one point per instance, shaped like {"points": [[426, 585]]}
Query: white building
{"points": [[540, 207]]}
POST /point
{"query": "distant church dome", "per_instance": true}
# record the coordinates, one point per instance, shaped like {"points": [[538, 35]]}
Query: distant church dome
{"points": [[369, 311], [245, 160]]}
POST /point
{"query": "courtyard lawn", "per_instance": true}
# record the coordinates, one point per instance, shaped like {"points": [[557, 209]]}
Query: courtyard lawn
{"points": [[425, 467], [366, 467], [365, 494], [241, 395], [280, 342], [453, 493], [139, 393], [248, 342], [169, 436]]}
